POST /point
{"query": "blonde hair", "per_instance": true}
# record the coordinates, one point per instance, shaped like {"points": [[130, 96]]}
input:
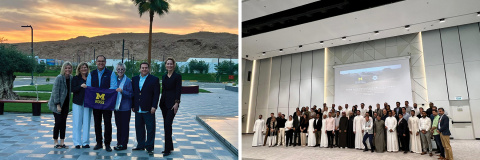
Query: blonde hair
{"points": [[172, 59], [80, 66], [62, 72]]}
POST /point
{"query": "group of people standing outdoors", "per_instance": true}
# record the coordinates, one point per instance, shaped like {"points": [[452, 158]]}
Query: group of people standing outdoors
{"points": [[140, 95], [407, 129]]}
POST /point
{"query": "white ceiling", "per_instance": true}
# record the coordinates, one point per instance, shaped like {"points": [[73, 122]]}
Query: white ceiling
{"points": [[422, 15], [259, 8]]}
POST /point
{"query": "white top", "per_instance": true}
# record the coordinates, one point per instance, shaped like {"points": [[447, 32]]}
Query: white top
{"points": [[288, 124]]}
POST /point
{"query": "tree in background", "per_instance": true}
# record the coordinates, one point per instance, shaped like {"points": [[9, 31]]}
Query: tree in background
{"points": [[40, 68], [226, 67], [12, 60], [198, 67], [151, 6]]}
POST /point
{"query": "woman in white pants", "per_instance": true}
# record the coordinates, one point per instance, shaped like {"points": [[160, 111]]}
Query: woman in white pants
{"points": [[81, 114]]}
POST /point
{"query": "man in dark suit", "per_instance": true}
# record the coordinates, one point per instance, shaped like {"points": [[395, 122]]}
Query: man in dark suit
{"points": [[317, 125], [403, 133], [296, 128], [397, 110], [102, 78], [268, 127], [444, 129], [146, 91]]}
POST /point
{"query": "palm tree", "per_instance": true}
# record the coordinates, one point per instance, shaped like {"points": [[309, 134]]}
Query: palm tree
{"points": [[151, 6]]}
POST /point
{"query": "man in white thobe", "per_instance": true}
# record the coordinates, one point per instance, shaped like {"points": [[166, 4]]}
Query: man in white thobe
{"points": [[358, 123], [362, 109], [390, 126], [416, 109], [258, 130], [413, 126]]}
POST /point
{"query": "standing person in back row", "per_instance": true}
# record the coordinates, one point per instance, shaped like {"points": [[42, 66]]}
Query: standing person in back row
{"points": [[106, 79], [170, 101], [146, 90], [81, 114]]}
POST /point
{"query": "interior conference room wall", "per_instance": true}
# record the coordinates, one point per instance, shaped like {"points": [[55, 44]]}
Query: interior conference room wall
{"points": [[452, 64]]}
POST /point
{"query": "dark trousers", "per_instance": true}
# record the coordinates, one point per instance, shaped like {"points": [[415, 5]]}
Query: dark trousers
{"points": [[168, 116], [266, 136], [122, 121], [330, 138], [288, 140], [142, 121], [336, 137], [60, 125], [370, 139], [404, 141], [440, 148], [107, 121], [296, 137]]}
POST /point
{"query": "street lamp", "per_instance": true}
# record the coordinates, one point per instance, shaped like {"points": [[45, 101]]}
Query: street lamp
{"points": [[31, 28]]}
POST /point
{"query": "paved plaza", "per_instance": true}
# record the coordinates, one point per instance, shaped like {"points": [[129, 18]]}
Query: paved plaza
{"points": [[23, 136], [462, 149]]}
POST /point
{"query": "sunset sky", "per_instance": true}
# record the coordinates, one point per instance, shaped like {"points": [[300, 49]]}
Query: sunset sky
{"points": [[64, 19]]}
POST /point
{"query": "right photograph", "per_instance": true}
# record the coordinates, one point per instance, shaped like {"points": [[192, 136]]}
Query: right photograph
{"points": [[345, 79]]}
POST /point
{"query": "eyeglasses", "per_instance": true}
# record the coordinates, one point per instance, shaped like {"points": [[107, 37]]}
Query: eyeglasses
{"points": [[120, 69]]}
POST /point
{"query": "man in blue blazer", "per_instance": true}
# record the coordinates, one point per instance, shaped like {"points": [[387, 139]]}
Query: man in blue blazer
{"points": [[146, 92], [444, 129]]}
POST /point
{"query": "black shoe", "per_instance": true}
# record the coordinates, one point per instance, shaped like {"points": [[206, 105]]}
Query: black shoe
{"points": [[138, 149], [166, 154], [405, 152], [365, 150], [86, 146], [97, 147], [119, 148], [108, 148], [151, 152], [77, 146], [372, 150], [170, 151]]}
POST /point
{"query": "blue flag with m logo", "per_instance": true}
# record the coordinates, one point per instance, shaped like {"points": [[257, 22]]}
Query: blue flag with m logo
{"points": [[99, 98]]}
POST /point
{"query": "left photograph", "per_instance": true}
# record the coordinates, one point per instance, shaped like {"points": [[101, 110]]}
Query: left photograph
{"points": [[119, 79]]}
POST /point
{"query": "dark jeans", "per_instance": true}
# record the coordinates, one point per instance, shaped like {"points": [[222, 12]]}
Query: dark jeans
{"points": [[440, 148], [122, 120], [296, 137], [107, 121], [370, 139], [330, 138], [288, 140], [142, 121], [60, 125], [336, 137], [168, 116]]}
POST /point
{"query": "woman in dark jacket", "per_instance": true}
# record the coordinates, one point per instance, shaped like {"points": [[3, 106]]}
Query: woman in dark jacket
{"points": [[303, 129], [59, 103], [81, 115], [169, 101], [122, 107]]}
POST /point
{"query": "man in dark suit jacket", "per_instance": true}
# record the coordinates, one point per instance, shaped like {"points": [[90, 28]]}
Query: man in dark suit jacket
{"points": [[146, 92], [296, 128], [317, 125], [403, 133], [268, 128], [444, 129]]}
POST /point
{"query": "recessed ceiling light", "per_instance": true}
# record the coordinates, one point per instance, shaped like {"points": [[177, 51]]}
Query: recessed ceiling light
{"points": [[376, 32], [281, 50], [407, 27], [300, 46], [321, 42], [478, 14], [344, 38], [263, 53], [441, 20]]}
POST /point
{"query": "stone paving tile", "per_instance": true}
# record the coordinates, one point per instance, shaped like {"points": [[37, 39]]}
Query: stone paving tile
{"points": [[23, 136]]}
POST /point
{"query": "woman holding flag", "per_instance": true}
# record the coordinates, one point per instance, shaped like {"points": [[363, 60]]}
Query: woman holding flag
{"points": [[122, 107]]}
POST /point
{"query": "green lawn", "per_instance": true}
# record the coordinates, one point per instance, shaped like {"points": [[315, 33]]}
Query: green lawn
{"points": [[27, 107], [47, 72], [47, 87]]}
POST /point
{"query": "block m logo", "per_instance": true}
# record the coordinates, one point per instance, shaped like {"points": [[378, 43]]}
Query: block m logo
{"points": [[100, 96]]}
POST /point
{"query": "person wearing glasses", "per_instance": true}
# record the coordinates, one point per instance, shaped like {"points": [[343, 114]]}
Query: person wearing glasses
{"points": [[122, 107], [102, 78]]}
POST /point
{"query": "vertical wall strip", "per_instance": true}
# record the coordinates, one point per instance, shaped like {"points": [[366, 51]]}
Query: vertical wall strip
{"points": [[300, 83], [444, 68], [463, 62], [311, 83], [288, 108], [279, 81]]}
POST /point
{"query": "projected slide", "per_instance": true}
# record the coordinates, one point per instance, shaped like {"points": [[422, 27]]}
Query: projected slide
{"points": [[373, 82]]}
